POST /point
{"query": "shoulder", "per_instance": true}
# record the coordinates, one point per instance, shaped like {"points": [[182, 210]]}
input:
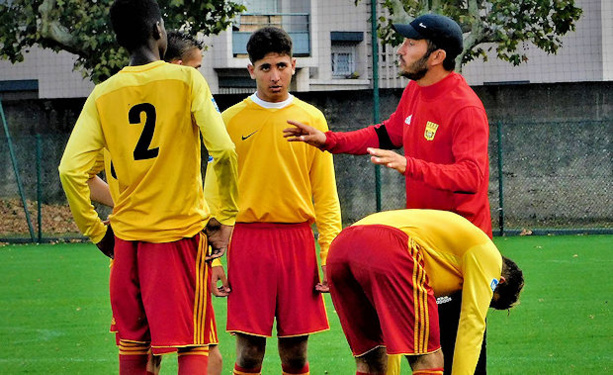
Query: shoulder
{"points": [[236, 109], [310, 112]]}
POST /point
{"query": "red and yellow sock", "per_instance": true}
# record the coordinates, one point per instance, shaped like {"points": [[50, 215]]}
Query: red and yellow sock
{"points": [[193, 360], [294, 371], [133, 357], [243, 371], [429, 371]]}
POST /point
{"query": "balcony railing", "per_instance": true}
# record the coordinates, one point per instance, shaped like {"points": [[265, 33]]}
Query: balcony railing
{"points": [[297, 26]]}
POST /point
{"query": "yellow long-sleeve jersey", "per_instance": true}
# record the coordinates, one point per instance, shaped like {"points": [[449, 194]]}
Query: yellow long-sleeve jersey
{"points": [[281, 181], [457, 256], [148, 118]]}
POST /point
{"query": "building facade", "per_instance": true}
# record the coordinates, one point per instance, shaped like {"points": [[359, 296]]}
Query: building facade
{"points": [[332, 43]]}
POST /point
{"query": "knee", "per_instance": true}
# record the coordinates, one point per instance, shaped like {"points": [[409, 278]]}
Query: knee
{"points": [[250, 351], [293, 352]]}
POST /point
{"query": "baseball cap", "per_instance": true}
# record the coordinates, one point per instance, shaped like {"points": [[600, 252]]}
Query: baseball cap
{"points": [[444, 32]]}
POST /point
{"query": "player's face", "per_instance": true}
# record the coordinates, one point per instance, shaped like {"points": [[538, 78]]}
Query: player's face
{"points": [[273, 75], [193, 58], [413, 58]]}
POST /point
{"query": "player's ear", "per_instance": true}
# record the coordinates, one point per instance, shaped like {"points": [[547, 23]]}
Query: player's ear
{"points": [[251, 70], [502, 280]]}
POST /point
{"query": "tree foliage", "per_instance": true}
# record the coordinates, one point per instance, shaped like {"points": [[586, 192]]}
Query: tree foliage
{"points": [[504, 23], [83, 28]]}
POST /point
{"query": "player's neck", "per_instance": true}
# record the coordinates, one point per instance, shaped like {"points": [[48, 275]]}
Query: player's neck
{"points": [[144, 55]]}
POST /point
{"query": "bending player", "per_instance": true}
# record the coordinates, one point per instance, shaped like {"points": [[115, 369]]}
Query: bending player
{"points": [[170, 311], [385, 272]]}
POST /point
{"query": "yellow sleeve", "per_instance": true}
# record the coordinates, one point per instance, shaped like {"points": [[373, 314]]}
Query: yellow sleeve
{"points": [[325, 197], [211, 190], [220, 147], [98, 166], [480, 267], [79, 158]]}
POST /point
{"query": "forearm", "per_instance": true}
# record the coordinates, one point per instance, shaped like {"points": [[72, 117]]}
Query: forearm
{"points": [[463, 177], [354, 142]]}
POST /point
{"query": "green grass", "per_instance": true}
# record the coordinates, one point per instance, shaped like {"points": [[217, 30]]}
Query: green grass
{"points": [[55, 313]]}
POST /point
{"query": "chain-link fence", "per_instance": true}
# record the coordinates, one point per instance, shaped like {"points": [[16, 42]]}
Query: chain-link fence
{"points": [[553, 176]]}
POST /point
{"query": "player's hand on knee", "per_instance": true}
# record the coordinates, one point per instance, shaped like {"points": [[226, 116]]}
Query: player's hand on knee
{"points": [[107, 244]]}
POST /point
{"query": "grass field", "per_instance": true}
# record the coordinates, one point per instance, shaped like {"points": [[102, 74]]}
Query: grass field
{"points": [[55, 313]]}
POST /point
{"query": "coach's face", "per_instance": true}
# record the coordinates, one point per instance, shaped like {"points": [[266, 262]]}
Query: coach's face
{"points": [[273, 75], [413, 58]]}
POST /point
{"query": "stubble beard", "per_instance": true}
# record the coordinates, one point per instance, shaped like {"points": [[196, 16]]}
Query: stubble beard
{"points": [[417, 70]]}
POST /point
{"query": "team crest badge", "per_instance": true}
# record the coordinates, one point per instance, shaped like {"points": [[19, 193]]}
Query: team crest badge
{"points": [[430, 131]]}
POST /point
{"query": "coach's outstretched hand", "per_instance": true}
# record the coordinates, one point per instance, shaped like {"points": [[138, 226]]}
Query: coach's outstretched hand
{"points": [[304, 133], [107, 245], [218, 237]]}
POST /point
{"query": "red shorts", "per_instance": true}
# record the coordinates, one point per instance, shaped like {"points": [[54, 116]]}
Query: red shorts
{"points": [[381, 292], [272, 270], [160, 294]]}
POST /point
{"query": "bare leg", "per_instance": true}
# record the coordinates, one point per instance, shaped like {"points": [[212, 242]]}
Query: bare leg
{"points": [[293, 353], [215, 360], [373, 362], [250, 351]]}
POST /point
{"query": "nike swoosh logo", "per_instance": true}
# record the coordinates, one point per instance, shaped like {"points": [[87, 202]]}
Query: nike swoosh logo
{"points": [[243, 137]]}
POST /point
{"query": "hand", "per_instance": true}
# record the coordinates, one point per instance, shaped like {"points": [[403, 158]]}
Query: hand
{"points": [[218, 237], [304, 133], [218, 274], [388, 158], [107, 244], [323, 286]]}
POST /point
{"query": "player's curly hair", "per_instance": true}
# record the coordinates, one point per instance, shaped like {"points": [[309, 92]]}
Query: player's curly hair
{"points": [[508, 291], [179, 43], [133, 21], [266, 40]]}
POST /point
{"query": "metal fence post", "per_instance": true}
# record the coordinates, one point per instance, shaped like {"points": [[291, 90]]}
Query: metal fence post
{"points": [[375, 90], [16, 170], [500, 181], [39, 187]]}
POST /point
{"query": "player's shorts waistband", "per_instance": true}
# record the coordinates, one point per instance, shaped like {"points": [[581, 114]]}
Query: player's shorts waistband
{"points": [[274, 225]]}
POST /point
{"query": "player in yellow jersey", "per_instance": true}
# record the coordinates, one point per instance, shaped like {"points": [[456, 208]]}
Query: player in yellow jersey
{"points": [[385, 273], [149, 117], [283, 189], [183, 49]]}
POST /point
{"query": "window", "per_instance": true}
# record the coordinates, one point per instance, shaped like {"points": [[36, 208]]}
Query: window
{"points": [[343, 60]]}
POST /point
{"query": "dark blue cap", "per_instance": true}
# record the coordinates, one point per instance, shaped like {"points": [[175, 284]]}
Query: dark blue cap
{"points": [[444, 32]]}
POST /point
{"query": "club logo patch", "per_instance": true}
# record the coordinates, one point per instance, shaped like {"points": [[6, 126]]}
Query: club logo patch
{"points": [[430, 131]]}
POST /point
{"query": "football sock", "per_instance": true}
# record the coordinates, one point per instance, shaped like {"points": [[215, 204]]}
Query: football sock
{"points": [[193, 361], [243, 371], [294, 371], [133, 357], [429, 371]]}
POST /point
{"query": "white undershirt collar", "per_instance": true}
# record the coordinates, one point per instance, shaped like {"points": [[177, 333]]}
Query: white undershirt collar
{"points": [[269, 105]]}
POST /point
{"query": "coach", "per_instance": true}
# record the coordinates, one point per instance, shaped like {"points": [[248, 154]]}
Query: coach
{"points": [[443, 127]]}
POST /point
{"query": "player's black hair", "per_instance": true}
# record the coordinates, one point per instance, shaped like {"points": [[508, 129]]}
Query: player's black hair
{"points": [[448, 63], [133, 21], [266, 40], [179, 43], [509, 290]]}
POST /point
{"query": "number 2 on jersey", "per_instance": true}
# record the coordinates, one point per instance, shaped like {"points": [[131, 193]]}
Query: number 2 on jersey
{"points": [[142, 150]]}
